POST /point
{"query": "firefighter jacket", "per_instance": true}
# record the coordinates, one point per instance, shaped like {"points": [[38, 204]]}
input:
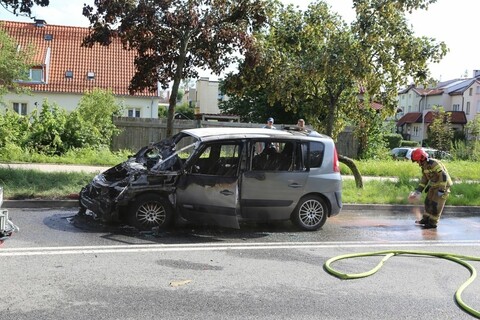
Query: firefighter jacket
{"points": [[434, 175]]}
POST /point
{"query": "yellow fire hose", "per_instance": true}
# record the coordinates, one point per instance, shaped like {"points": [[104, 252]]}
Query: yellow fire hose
{"points": [[460, 259]]}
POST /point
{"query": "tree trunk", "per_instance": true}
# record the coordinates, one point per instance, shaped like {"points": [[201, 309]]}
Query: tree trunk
{"points": [[349, 163], [172, 102]]}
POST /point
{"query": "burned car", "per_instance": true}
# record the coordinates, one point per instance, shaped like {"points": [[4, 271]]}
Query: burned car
{"points": [[222, 176]]}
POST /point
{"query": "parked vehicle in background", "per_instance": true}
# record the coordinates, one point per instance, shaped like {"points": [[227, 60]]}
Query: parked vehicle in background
{"points": [[7, 228], [400, 153], [222, 176], [433, 153]]}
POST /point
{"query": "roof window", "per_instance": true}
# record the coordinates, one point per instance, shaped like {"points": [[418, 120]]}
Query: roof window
{"points": [[48, 37], [69, 74], [90, 75], [40, 23]]}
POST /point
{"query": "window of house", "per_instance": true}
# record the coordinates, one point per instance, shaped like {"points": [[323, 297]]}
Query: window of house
{"points": [[134, 112], [456, 107], [20, 108], [36, 74], [468, 108], [478, 89], [478, 106], [416, 130], [470, 91]]}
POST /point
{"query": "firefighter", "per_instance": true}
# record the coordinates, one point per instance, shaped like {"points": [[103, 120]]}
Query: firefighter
{"points": [[436, 183]]}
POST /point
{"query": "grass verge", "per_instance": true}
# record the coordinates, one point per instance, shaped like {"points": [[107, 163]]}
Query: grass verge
{"points": [[34, 184]]}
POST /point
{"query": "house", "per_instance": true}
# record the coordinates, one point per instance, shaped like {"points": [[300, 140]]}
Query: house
{"points": [[458, 97], [205, 97], [63, 70]]}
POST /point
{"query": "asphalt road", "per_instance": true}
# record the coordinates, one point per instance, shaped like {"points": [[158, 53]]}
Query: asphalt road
{"points": [[61, 267]]}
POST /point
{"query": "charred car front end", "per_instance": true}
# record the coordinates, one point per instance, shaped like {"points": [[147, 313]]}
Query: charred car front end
{"points": [[111, 195]]}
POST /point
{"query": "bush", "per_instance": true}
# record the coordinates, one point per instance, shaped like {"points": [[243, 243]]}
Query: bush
{"points": [[392, 140], [47, 129], [407, 143]]}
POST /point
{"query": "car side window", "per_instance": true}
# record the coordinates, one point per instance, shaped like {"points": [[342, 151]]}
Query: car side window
{"points": [[316, 152], [219, 159], [274, 156]]}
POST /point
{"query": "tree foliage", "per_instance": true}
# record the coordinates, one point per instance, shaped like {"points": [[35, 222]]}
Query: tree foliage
{"points": [[53, 131], [47, 127], [91, 124], [14, 128], [175, 38], [440, 132], [253, 106], [473, 128], [315, 63], [13, 64], [23, 7]]}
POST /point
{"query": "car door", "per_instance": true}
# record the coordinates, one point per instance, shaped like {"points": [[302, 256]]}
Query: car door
{"points": [[274, 181], [208, 192]]}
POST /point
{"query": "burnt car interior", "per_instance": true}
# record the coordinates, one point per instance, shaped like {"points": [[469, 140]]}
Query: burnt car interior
{"points": [[220, 159], [277, 156]]}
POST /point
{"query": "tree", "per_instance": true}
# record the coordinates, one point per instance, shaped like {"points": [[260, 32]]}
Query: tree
{"points": [[314, 62], [23, 7], [173, 38], [13, 64], [473, 128], [440, 132]]}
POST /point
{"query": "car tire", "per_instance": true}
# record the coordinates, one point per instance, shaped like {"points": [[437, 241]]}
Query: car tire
{"points": [[150, 211], [311, 213]]}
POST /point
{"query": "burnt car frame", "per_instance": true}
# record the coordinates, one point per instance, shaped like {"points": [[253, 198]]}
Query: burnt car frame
{"points": [[222, 176]]}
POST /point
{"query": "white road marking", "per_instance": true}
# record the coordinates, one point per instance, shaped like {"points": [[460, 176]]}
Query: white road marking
{"points": [[41, 251]]}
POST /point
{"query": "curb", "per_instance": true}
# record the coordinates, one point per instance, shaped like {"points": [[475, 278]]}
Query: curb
{"points": [[347, 207]]}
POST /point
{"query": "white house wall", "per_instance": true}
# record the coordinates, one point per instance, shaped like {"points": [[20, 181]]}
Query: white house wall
{"points": [[148, 106], [207, 96]]}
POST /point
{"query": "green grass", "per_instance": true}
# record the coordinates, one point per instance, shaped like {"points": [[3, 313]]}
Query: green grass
{"points": [[33, 184], [458, 170]]}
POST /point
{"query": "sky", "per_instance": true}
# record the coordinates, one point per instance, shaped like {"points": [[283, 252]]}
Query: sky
{"points": [[453, 22]]}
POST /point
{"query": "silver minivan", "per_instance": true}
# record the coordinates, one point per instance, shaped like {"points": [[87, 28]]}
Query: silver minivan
{"points": [[222, 176]]}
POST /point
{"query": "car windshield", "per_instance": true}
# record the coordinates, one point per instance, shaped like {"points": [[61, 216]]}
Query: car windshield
{"points": [[170, 151]]}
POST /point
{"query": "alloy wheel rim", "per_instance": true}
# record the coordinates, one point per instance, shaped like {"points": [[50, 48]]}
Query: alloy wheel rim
{"points": [[311, 213], [151, 213]]}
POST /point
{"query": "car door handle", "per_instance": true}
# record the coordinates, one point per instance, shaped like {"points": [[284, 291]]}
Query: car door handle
{"points": [[295, 185], [226, 192]]}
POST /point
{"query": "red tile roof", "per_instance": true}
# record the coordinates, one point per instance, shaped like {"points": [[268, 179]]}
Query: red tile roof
{"points": [[112, 65], [410, 117], [456, 117]]}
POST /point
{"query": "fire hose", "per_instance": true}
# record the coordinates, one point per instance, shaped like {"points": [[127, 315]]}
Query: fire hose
{"points": [[460, 259]]}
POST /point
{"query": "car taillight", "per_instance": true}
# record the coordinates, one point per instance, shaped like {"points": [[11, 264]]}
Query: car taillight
{"points": [[336, 165]]}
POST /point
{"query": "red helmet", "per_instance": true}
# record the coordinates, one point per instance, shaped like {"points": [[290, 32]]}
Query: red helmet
{"points": [[419, 155]]}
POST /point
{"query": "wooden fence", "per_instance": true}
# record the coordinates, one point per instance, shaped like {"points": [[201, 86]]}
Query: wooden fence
{"points": [[139, 132]]}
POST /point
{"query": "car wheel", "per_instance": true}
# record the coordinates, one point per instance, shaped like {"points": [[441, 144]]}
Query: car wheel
{"points": [[310, 213], [151, 210]]}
